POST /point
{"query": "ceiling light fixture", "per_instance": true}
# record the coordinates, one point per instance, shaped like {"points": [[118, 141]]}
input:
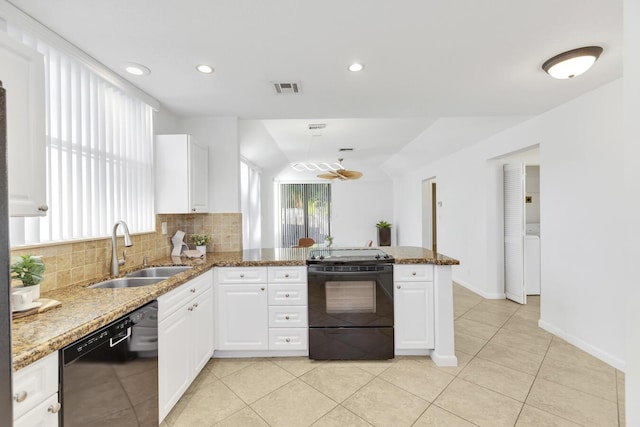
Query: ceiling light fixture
{"points": [[136, 69], [322, 167], [355, 67], [205, 69], [569, 64]]}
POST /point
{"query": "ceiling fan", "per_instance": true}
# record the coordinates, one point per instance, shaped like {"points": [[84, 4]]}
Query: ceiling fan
{"points": [[342, 174]]}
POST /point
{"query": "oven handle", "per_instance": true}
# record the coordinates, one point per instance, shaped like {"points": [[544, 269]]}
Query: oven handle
{"points": [[312, 274], [127, 335]]}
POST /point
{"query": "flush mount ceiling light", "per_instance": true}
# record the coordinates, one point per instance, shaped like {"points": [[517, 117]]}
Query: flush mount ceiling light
{"points": [[355, 67], [205, 69], [136, 69], [569, 64]]}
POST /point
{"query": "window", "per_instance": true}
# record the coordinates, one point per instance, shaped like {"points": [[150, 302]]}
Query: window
{"points": [[304, 211], [99, 147], [250, 205]]}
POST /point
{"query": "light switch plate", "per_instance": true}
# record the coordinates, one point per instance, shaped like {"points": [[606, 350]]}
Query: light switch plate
{"points": [[164, 228]]}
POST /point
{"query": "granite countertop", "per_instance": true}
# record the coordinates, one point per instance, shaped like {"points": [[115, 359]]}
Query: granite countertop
{"points": [[85, 310]]}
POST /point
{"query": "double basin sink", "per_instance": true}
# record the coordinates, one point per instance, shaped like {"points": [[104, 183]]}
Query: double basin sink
{"points": [[144, 277]]}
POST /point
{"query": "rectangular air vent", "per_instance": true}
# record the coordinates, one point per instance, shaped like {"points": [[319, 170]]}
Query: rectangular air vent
{"points": [[345, 149], [317, 126], [287, 88]]}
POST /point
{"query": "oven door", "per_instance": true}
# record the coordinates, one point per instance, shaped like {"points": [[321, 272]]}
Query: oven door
{"points": [[350, 296]]}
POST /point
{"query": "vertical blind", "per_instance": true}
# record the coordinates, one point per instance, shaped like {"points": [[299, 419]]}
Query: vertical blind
{"points": [[99, 147], [304, 211], [250, 205]]}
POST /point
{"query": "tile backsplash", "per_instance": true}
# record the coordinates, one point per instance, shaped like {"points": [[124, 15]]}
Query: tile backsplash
{"points": [[84, 261]]}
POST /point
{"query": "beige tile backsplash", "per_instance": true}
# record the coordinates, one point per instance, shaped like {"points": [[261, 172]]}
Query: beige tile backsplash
{"points": [[83, 261]]}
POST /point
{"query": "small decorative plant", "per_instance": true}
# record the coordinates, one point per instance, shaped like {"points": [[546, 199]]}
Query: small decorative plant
{"points": [[200, 239], [28, 269], [329, 240], [383, 224]]}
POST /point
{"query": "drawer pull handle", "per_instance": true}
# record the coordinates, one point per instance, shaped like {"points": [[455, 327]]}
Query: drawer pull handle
{"points": [[195, 305], [242, 276], [20, 397], [190, 308], [262, 289], [413, 273], [286, 295], [286, 317], [43, 208], [54, 409], [288, 340], [193, 290], [398, 286]]}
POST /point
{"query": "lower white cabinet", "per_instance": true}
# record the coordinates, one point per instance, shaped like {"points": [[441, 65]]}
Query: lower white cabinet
{"points": [[35, 394], [185, 338], [413, 309], [242, 317]]}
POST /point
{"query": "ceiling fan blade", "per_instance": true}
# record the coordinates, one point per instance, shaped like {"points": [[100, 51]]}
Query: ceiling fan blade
{"points": [[327, 176], [350, 174]]}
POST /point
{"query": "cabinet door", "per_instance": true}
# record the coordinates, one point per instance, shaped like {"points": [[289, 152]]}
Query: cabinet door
{"points": [[202, 325], [199, 177], [175, 369], [44, 415], [22, 75], [413, 307], [242, 317]]}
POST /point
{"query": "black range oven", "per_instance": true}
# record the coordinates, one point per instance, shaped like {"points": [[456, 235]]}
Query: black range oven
{"points": [[350, 304]]}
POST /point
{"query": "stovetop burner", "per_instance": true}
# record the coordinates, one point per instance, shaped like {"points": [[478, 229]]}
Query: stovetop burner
{"points": [[348, 256]]}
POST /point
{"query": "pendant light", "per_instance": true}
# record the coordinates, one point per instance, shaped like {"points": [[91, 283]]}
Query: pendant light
{"points": [[569, 64]]}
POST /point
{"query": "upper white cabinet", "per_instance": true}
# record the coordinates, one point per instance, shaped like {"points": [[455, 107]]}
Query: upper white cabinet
{"points": [[182, 175], [22, 76]]}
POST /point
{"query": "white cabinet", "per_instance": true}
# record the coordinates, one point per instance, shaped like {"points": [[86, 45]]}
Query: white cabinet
{"points": [[185, 338], [413, 308], [35, 394], [181, 175], [22, 76], [260, 308]]}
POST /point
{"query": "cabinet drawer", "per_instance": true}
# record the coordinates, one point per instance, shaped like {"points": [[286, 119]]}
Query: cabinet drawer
{"points": [[288, 275], [282, 316], [171, 301], [287, 294], [43, 415], [413, 273], [33, 384], [288, 338], [242, 275]]}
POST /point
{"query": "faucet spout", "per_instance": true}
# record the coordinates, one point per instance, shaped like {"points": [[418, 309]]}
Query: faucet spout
{"points": [[115, 262]]}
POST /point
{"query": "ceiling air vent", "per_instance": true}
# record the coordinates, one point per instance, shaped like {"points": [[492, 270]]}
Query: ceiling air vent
{"points": [[345, 149], [287, 88]]}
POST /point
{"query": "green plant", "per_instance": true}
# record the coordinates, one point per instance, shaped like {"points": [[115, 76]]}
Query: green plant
{"points": [[200, 239], [383, 224], [329, 239], [28, 269]]}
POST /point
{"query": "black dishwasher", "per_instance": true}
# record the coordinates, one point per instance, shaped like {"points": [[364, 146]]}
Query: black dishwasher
{"points": [[110, 377]]}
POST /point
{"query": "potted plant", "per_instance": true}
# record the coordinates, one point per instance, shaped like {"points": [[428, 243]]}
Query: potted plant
{"points": [[329, 241], [201, 241], [29, 269], [384, 233]]}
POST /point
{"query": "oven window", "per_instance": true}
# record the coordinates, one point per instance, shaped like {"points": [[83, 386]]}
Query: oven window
{"points": [[351, 296]]}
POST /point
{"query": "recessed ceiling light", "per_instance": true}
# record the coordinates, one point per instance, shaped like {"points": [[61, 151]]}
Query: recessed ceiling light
{"points": [[355, 67], [136, 69], [205, 69], [569, 64]]}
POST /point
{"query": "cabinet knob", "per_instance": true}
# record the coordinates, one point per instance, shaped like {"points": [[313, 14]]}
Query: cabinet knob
{"points": [[193, 290], [190, 308], [43, 208], [286, 295], [20, 396], [241, 275], [195, 305], [286, 276], [262, 289], [193, 209], [288, 340], [413, 273], [54, 409], [286, 317], [398, 286]]}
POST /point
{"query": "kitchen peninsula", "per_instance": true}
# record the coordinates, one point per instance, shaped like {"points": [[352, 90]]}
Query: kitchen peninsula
{"points": [[85, 310]]}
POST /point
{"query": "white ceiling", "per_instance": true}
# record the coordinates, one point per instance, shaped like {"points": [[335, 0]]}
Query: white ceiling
{"points": [[424, 60]]}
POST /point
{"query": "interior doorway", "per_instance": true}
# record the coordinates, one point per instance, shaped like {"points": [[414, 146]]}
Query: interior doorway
{"points": [[429, 214]]}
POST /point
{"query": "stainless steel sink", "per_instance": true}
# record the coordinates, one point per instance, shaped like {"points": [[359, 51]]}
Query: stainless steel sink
{"points": [[128, 282], [163, 272]]}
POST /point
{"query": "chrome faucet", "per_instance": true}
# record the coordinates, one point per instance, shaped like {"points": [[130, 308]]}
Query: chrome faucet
{"points": [[115, 262]]}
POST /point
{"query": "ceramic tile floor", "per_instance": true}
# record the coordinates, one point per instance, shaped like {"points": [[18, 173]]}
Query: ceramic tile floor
{"points": [[510, 373]]}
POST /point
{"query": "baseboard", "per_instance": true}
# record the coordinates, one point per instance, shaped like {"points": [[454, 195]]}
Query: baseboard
{"points": [[224, 354], [444, 360], [478, 291], [584, 346]]}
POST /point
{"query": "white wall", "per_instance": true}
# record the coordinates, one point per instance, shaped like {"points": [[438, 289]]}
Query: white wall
{"points": [[221, 136], [165, 122], [356, 207], [580, 155], [632, 206]]}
